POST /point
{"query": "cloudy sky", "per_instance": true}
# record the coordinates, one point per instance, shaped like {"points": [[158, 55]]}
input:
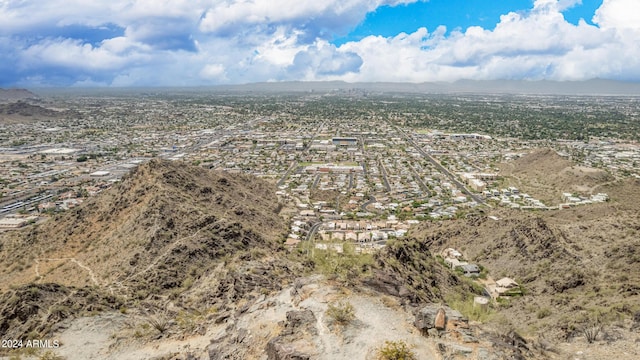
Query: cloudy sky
{"points": [[209, 42]]}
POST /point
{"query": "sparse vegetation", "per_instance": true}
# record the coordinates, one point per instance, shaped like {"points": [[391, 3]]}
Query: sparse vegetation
{"points": [[467, 307], [200, 238], [347, 266], [50, 355], [396, 350], [543, 313], [592, 330], [341, 313], [159, 322]]}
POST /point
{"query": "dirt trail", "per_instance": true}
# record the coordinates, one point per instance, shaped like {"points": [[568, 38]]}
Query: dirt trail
{"points": [[100, 336], [161, 256], [92, 275]]}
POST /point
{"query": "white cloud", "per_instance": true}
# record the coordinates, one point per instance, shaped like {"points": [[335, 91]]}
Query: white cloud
{"points": [[620, 14], [73, 54], [231, 16], [322, 60], [558, 5], [213, 72], [198, 42], [536, 45]]}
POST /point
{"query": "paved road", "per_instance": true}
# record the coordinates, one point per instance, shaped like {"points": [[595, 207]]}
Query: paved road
{"points": [[315, 181], [27, 202], [446, 171], [364, 169], [366, 203], [287, 173], [383, 172], [294, 163], [422, 185], [313, 230]]}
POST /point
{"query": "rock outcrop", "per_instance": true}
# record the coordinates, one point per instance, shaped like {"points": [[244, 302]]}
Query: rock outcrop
{"points": [[293, 342]]}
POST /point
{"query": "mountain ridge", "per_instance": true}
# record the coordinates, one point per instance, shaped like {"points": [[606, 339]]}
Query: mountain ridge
{"points": [[592, 87], [15, 94]]}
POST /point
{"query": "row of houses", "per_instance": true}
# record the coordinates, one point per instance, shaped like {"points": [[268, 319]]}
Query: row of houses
{"points": [[16, 221]]}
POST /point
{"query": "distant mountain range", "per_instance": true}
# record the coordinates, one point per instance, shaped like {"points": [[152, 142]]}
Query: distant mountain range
{"points": [[589, 87], [542, 87], [16, 94]]}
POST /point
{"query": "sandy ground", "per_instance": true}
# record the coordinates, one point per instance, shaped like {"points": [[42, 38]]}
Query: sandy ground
{"points": [[107, 336], [102, 337], [378, 319]]}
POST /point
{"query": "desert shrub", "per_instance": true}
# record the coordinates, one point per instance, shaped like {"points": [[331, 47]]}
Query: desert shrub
{"points": [[50, 355], [396, 350], [190, 321], [592, 330], [347, 266], [467, 307], [341, 313], [389, 302], [543, 313], [159, 323]]}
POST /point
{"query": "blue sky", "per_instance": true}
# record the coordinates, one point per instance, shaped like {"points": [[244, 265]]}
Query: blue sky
{"points": [[454, 14], [209, 42]]}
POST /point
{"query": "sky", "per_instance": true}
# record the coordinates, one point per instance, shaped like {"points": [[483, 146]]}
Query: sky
{"points": [[123, 43]]}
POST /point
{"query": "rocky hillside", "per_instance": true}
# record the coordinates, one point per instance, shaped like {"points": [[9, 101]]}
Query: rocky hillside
{"points": [[545, 175], [165, 229], [408, 270], [178, 262], [16, 94], [24, 111], [577, 267]]}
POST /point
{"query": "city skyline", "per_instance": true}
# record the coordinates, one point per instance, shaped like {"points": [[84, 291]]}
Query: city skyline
{"points": [[199, 43]]}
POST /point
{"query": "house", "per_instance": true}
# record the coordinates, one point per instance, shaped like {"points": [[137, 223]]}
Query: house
{"points": [[100, 173], [46, 206], [351, 236], [504, 285], [307, 213], [470, 270], [291, 243], [16, 221], [454, 263], [451, 253]]}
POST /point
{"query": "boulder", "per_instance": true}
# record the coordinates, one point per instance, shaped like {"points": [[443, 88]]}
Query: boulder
{"points": [[425, 318], [288, 345], [302, 320], [278, 349], [440, 321], [387, 283]]}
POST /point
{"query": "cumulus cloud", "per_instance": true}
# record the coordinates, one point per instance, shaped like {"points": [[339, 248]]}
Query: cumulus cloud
{"points": [[199, 42], [620, 14], [320, 60], [315, 18], [535, 45], [213, 72]]}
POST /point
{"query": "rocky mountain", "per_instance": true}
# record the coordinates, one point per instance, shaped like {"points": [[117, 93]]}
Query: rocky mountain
{"points": [[25, 109], [16, 94], [179, 262], [547, 175], [588, 87], [178, 254], [578, 267], [163, 230]]}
